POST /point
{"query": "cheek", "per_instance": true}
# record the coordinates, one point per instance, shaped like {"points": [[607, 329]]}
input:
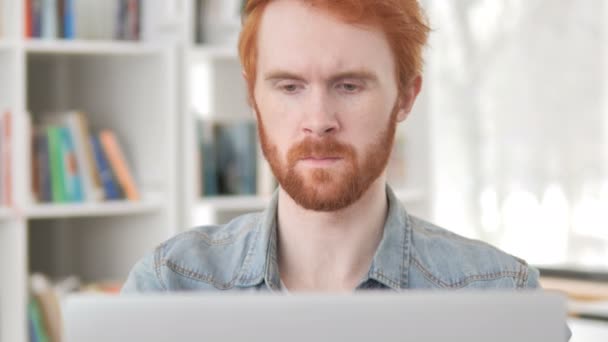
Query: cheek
{"points": [[280, 122], [365, 122]]}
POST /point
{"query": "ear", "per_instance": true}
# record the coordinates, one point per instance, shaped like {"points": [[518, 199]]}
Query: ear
{"points": [[408, 98]]}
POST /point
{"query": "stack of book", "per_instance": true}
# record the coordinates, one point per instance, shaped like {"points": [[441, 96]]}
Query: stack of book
{"points": [[72, 165], [5, 159], [228, 155], [83, 19], [217, 21], [44, 306]]}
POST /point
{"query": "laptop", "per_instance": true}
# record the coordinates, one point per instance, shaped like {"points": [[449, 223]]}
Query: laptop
{"points": [[408, 316]]}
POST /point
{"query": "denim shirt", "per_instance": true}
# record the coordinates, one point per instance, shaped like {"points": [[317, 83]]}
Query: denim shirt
{"points": [[413, 254], [242, 255]]}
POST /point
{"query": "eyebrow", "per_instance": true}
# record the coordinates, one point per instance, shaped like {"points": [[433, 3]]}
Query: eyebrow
{"points": [[358, 74]]}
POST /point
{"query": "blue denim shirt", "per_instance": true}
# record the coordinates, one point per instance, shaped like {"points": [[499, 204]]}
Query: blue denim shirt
{"points": [[242, 255]]}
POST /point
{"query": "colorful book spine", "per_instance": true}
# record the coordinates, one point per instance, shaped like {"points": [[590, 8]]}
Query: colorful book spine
{"points": [[118, 164], [37, 18], [236, 157], [49, 19], [34, 311], [122, 20], [69, 20], [77, 123], [44, 172], [208, 158], [72, 176], [59, 11], [29, 24], [105, 173], [58, 188]]}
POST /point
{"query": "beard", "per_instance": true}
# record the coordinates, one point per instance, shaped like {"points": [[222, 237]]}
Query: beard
{"points": [[333, 188]]}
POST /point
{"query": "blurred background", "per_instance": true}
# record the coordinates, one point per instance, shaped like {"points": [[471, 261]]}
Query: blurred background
{"points": [[519, 110], [125, 122]]}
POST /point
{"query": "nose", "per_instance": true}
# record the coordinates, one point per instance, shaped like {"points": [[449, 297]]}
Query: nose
{"points": [[320, 117]]}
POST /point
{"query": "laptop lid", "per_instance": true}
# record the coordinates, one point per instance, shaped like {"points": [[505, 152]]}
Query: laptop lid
{"points": [[408, 316]]}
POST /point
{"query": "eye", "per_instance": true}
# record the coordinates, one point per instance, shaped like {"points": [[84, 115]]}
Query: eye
{"points": [[289, 88], [349, 87]]}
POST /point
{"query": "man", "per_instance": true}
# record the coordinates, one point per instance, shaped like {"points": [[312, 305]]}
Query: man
{"points": [[329, 81]]}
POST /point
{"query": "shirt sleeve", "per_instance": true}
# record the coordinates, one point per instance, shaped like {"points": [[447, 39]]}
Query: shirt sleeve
{"points": [[145, 276]]}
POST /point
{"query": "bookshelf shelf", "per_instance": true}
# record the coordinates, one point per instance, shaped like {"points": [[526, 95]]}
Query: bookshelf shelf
{"points": [[5, 214], [113, 208], [5, 45], [88, 47], [211, 52], [233, 203]]}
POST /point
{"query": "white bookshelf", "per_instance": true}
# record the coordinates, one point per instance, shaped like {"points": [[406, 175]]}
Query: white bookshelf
{"points": [[213, 52], [104, 209], [95, 48], [5, 214], [127, 87], [5, 45]]}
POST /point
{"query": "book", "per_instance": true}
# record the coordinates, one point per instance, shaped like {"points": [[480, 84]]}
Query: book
{"points": [[84, 19], [237, 158], [82, 180], [59, 17], [69, 25], [34, 313], [228, 153], [206, 157], [77, 123], [47, 298], [72, 179], [28, 22], [58, 188], [110, 186], [118, 164], [37, 18], [49, 19], [128, 20], [43, 175]]}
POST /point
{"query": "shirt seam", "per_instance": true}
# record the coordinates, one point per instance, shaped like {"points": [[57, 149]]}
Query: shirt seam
{"points": [[157, 266], [188, 273], [516, 275]]}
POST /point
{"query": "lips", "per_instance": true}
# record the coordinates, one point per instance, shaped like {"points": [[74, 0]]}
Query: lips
{"points": [[320, 158]]}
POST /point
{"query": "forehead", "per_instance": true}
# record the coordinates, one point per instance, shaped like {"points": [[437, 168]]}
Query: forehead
{"points": [[297, 37]]}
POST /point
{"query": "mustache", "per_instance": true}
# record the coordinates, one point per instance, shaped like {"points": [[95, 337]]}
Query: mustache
{"points": [[319, 148]]}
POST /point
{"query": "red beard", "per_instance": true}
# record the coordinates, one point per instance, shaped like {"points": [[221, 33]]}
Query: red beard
{"points": [[331, 189]]}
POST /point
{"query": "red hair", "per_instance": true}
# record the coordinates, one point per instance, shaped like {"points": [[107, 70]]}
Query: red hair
{"points": [[402, 21]]}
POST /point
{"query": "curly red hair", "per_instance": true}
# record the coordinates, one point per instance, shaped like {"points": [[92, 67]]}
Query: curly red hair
{"points": [[403, 22]]}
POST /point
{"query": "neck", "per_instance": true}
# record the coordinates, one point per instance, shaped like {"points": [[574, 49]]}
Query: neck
{"points": [[330, 251]]}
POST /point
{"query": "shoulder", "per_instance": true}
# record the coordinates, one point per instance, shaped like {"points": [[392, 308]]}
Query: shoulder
{"points": [[206, 257], [443, 259]]}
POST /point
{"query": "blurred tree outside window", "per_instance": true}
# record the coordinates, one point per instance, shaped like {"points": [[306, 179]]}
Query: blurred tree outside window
{"points": [[519, 116]]}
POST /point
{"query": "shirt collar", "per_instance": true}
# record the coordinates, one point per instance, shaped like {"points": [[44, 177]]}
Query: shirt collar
{"points": [[390, 265]]}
